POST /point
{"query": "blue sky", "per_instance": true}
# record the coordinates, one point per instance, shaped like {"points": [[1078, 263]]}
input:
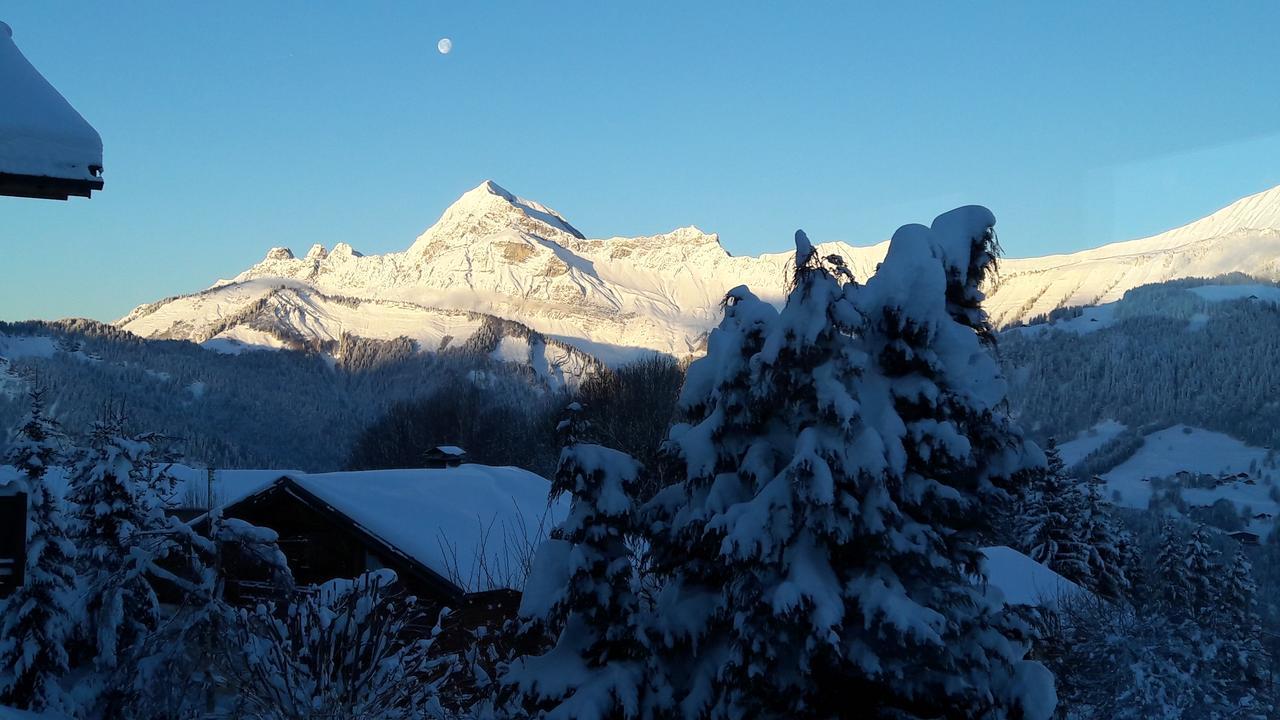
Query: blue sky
{"points": [[231, 127]]}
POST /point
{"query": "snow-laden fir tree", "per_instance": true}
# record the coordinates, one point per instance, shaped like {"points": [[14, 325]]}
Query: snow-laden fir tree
{"points": [[720, 425], [582, 591], [1244, 663], [351, 649], [1054, 521], [799, 535], [38, 619], [196, 630], [935, 644], [1173, 584], [829, 511], [1112, 555], [1190, 572], [1179, 675], [116, 524]]}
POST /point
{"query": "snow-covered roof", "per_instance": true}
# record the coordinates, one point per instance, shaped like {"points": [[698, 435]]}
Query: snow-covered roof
{"points": [[450, 520], [451, 450], [41, 134], [1024, 581]]}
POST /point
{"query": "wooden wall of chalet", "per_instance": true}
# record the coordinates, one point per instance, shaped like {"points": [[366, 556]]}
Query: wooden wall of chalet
{"points": [[322, 545], [13, 542]]}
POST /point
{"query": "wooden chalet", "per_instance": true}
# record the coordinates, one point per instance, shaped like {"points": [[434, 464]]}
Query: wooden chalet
{"points": [[431, 526], [1244, 537], [323, 543], [442, 456], [47, 149]]}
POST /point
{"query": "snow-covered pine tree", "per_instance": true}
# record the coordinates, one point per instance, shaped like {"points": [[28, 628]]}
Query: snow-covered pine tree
{"points": [[38, 619], [1112, 555], [934, 644], [115, 521], [351, 649], [1173, 584], [1203, 573], [1054, 521], [804, 532], [582, 591], [1245, 665], [720, 425], [201, 621]]}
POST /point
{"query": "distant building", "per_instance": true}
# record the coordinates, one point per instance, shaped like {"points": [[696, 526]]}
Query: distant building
{"points": [[1244, 537], [442, 456], [47, 150]]}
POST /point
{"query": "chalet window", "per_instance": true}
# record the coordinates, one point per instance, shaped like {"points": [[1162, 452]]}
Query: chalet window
{"points": [[13, 542]]}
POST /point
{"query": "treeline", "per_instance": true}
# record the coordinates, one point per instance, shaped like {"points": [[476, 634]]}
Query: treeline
{"points": [[631, 406], [1153, 366], [281, 409]]}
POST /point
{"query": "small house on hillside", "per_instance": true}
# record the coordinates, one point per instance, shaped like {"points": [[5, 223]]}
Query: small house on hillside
{"points": [[442, 456], [459, 536], [47, 150], [1244, 537]]}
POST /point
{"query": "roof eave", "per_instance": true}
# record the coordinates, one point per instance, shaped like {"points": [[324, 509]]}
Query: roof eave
{"points": [[44, 187]]}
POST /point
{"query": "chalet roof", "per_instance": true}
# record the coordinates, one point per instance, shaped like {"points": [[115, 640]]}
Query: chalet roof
{"points": [[1024, 581], [452, 450], [47, 149], [453, 521]]}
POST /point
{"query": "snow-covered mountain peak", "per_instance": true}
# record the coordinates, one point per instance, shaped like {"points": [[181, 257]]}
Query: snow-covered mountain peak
{"points": [[496, 253], [487, 210], [1260, 211]]}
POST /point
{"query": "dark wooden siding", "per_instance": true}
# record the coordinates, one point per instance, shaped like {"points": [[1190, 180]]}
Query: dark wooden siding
{"points": [[13, 542], [321, 544]]}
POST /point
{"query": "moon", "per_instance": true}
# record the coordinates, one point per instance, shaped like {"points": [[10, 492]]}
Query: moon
{"points": [[444, 46]]}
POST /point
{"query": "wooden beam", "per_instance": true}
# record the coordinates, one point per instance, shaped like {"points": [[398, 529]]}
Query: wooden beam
{"points": [[41, 187]]}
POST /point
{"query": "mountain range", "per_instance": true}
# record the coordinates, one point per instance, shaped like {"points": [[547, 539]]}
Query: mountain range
{"points": [[497, 261]]}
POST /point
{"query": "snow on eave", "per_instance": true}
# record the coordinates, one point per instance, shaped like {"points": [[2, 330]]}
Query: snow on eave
{"points": [[41, 134]]}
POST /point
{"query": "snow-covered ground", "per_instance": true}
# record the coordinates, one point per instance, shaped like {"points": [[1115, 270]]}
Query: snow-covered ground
{"points": [[1079, 447], [1221, 293], [1185, 449], [1091, 319]]}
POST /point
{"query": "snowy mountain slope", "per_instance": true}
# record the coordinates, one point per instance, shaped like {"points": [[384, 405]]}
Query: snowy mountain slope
{"points": [[1242, 237], [281, 313], [492, 252], [495, 253]]}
